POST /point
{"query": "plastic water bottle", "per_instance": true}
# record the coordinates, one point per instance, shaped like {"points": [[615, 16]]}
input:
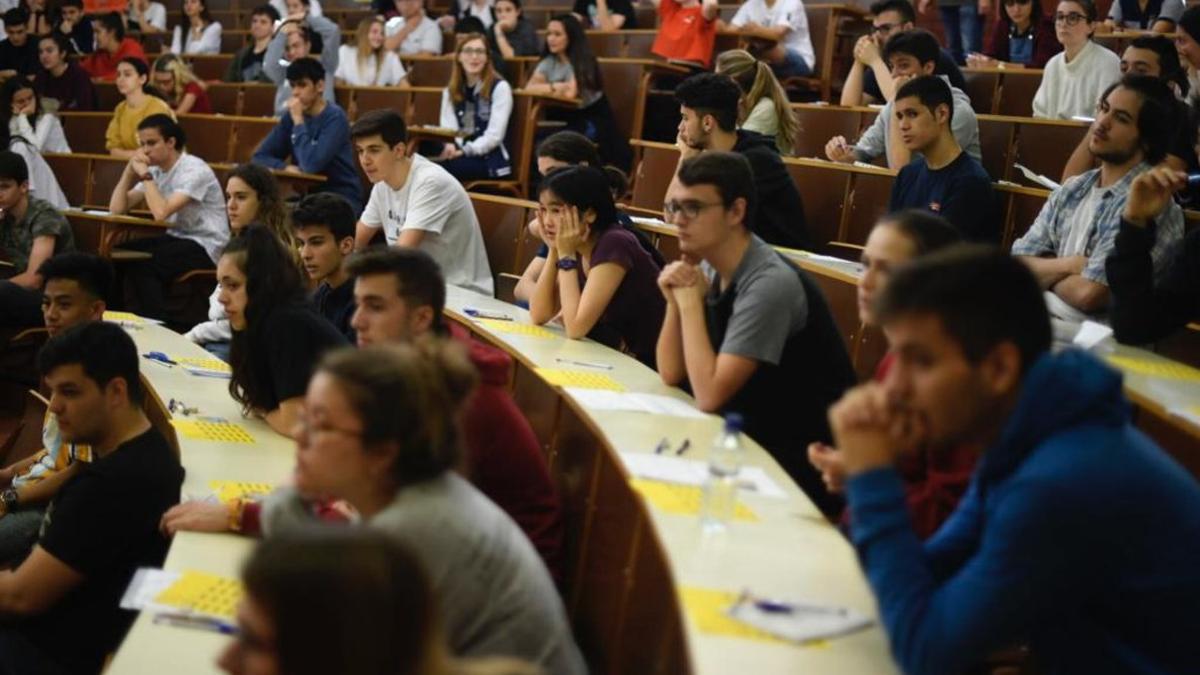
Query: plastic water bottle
{"points": [[724, 464]]}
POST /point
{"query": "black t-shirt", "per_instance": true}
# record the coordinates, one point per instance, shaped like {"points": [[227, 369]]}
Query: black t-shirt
{"points": [[945, 66], [290, 344], [779, 217], [961, 192], [337, 306], [104, 525], [23, 59], [587, 9]]}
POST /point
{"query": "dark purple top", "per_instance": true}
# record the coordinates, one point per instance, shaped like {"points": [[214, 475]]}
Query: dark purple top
{"points": [[73, 89], [635, 313]]}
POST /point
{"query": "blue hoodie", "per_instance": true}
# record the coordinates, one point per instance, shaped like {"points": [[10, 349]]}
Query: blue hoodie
{"points": [[1077, 534]]}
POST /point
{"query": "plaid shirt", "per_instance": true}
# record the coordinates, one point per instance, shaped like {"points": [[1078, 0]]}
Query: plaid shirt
{"points": [[1050, 230]]}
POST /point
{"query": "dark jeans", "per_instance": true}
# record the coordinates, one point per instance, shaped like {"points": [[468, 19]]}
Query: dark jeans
{"points": [[468, 168], [964, 29], [20, 656], [19, 306], [597, 123], [146, 280]]}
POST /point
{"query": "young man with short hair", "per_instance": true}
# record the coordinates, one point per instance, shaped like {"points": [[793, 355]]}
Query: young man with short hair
{"points": [[400, 295], [942, 179], [1071, 238], [18, 54], [909, 54], [748, 326], [870, 80], [111, 46], [297, 38], [181, 189], [708, 108], [103, 523], [31, 231], [778, 35], [417, 33], [313, 135], [76, 284], [75, 27], [247, 63], [418, 203], [324, 225], [1077, 536]]}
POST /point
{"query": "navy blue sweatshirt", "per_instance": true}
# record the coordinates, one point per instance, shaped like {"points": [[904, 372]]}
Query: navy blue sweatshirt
{"points": [[1077, 534], [321, 145]]}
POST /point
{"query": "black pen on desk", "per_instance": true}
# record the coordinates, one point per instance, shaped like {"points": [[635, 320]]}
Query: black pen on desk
{"points": [[662, 445], [683, 447]]}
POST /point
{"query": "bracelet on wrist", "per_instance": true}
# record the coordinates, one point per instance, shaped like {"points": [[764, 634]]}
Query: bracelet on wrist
{"points": [[236, 508]]}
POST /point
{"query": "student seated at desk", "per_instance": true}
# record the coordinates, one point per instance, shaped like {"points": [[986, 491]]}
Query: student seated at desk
{"points": [[568, 69], [1068, 243], [180, 87], [869, 81], [687, 30], [749, 324], [909, 54], [1143, 309], [277, 336], [18, 54], [605, 14], [1023, 37], [181, 189], [597, 279], [311, 36], [1074, 79], [934, 479], [75, 286], [417, 203], [563, 149], [765, 108], [942, 178], [21, 111], [323, 224], [513, 34], [251, 196], [413, 33], [61, 79], [709, 105], [478, 103], [313, 134], [75, 27], [112, 47], [142, 100], [32, 230], [370, 586], [1077, 535], [777, 33], [247, 63], [73, 580], [366, 63], [1159, 16], [147, 17], [196, 32]]}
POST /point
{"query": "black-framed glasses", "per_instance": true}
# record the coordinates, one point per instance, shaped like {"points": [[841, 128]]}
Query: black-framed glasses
{"points": [[1071, 19], [689, 208]]}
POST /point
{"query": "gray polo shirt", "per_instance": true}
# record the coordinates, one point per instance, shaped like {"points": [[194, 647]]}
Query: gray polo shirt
{"points": [[964, 125]]}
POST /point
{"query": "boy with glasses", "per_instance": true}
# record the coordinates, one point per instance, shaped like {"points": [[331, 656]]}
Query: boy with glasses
{"points": [[1072, 80], [869, 80]]}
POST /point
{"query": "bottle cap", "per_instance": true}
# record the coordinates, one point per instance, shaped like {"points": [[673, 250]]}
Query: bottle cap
{"points": [[733, 422]]}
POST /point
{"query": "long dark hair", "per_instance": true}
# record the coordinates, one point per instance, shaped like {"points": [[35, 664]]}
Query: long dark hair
{"points": [[585, 188], [272, 281], [11, 87], [378, 608], [185, 24], [143, 70], [579, 53], [1036, 16]]}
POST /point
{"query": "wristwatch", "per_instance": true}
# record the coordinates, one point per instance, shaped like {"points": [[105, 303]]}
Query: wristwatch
{"points": [[567, 263], [10, 498]]}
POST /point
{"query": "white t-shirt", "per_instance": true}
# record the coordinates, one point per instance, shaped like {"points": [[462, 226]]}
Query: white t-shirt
{"points": [[788, 13], [203, 219], [183, 42], [433, 201], [365, 76], [427, 37], [156, 15]]}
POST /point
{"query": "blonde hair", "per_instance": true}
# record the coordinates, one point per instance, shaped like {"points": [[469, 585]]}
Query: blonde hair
{"points": [[363, 44], [756, 81], [171, 63], [458, 78]]}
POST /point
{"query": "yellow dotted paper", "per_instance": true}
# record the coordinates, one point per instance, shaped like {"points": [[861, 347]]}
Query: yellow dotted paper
{"points": [[707, 608], [127, 317], [682, 499], [203, 593], [1165, 369], [222, 432], [216, 365], [579, 378], [228, 490], [515, 328]]}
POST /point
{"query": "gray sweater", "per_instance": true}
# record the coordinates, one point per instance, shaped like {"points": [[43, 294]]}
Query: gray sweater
{"points": [[964, 124], [331, 39], [495, 595]]}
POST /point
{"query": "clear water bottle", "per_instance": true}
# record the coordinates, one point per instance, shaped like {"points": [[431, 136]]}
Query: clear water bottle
{"points": [[724, 463]]}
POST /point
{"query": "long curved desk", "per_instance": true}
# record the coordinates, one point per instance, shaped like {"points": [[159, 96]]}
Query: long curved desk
{"points": [[633, 563]]}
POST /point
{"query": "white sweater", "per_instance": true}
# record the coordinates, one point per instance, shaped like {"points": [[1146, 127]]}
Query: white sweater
{"points": [[217, 328], [1070, 89], [47, 137]]}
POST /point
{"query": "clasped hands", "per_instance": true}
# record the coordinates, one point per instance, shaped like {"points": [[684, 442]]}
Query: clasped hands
{"points": [[870, 431]]}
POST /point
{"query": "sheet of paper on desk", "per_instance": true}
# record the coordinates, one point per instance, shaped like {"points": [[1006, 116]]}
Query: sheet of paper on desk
{"points": [[204, 367], [128, 318], [1091, 334], [655, 404], [1037, 178], [670, 469], [799, 622], [147, 583]]}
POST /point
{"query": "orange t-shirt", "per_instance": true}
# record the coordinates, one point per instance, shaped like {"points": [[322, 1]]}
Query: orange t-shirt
{"points": [[684, 33], [104, 6], [102, 65]]}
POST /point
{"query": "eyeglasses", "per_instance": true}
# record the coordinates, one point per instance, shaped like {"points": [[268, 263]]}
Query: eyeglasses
{"points": [[475, 51], [690, 208], [308, 429], [1071, 19], [883, 27]]}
